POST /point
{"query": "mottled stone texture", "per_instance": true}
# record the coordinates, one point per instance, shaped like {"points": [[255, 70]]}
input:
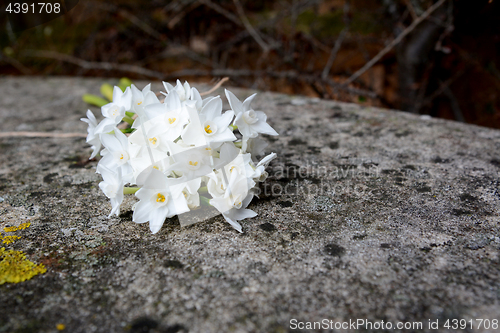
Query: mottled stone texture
{"points": [[367, 213]]}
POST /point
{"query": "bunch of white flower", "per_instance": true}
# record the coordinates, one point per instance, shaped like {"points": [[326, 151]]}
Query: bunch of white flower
{"points": [[180, 154]]}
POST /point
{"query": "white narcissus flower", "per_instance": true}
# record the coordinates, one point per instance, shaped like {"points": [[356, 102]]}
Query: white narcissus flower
{"points": [[141, 99], [122, 98], [234, 215], [92, 137], [250, 123], [192, 163], [170, 117], [190, 191], [117, 156], [156, 136], [260, 174], [254, 146], [112, 187], [209, 126], [183, 91], [216, 185], [115, 111], [178, 149], [158, 201], [232, 205]]}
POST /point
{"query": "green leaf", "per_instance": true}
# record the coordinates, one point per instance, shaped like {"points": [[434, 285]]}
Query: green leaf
{"points": [[124, 83], [94, 100], [107, 91]]}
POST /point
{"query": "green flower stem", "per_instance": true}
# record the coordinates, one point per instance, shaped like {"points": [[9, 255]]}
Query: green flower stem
{"points": [[205, 201], [130, 190], [238, 144], [203, 189], [128, 120], [94, 100], [233, 127], [129, 114]]}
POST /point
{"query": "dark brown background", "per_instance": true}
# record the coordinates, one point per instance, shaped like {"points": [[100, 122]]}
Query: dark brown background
{"points": [[448, 66]]}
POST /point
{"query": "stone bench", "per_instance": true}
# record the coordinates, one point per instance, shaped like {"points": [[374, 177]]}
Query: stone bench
{"points": [[367, 214]]}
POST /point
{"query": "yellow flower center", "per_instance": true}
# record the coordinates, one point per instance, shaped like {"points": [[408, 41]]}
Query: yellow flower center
{"points": [[155, 167], [193, 163], [153, 140], [171, 120], [207, 129], [160, 197]]}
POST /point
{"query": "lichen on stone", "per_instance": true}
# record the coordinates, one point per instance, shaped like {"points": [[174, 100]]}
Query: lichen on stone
{"points": [[22, 226], [15, 268], [9, 239]]}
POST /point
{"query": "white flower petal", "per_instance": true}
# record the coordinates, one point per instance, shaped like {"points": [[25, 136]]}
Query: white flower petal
{"points": [[235, 103], [246, 103], [212, 109]]}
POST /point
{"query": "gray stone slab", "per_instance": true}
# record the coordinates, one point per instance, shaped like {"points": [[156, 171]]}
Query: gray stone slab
{"points": [[367, 214]]}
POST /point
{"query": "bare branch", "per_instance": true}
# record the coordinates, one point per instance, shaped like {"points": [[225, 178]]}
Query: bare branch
{"points": [[455, 106], [395, 42], [413, 13], [261, 73], [333, 53], [442, 87], [221, 10], [92, 64], [131, 17], [177, 18], [15, 63], [249, 27], [214, 88]]}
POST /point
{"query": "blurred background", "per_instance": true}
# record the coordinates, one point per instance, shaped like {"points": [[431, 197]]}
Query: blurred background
{"points": [[440, 58]]}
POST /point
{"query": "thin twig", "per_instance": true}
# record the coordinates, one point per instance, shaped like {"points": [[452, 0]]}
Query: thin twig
{"points": [[42, 135], [413, 13], [214, 88], [455, 106], [295, 75], [92, 64], [19, 66], [333, 53], [177, 18], [442, 88], [221, 10], [249, 27], [395, 42], [131, 17], [301, 7]]}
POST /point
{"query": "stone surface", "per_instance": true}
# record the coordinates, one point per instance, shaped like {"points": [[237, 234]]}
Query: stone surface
{"points": [[367, 214]]}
